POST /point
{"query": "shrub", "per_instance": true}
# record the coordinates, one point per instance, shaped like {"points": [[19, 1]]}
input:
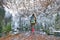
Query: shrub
{"points": [[6, 28], [47, 31]]}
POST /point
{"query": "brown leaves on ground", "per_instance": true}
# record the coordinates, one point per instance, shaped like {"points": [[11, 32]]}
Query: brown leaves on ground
{"points": [[31, 37]]}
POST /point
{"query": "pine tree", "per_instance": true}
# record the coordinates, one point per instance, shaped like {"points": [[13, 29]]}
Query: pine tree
{"points": [[57, 22], [2, 12]]}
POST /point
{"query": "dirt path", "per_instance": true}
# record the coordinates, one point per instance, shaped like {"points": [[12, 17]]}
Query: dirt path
{"points": [[30, 37]]}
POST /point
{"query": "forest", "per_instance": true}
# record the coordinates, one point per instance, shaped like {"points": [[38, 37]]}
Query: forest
{"points": [[15, 16]]}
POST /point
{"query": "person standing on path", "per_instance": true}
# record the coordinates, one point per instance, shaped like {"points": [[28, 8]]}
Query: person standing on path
{"points": [[33, 22]]}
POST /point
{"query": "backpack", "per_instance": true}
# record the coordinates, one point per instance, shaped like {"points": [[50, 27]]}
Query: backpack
{"points": [[32, 20]]}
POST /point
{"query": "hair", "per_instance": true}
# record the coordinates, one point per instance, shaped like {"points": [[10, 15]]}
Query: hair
{"points": [[33, 15]]}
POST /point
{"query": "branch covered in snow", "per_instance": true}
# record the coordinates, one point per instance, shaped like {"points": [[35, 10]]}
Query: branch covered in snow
{"points": [[27, 7]]}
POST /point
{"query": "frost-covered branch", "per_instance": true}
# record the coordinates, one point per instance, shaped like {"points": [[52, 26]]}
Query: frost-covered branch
{"points": [[33, 6]]}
